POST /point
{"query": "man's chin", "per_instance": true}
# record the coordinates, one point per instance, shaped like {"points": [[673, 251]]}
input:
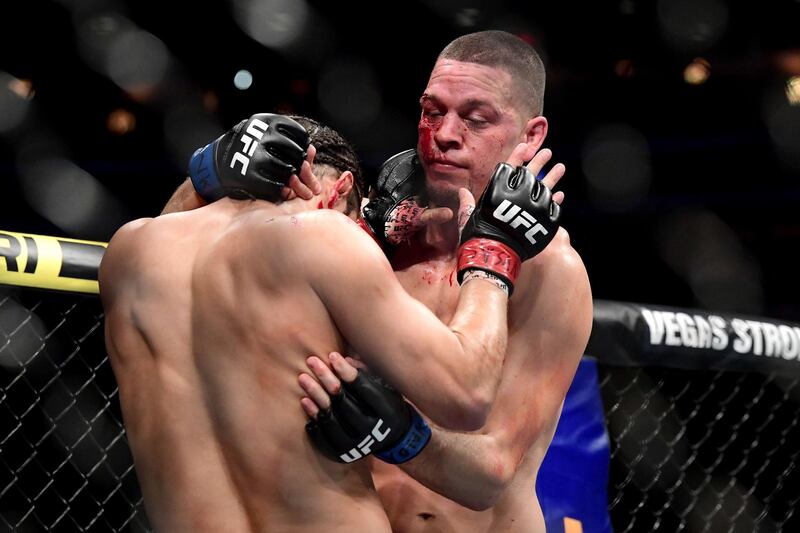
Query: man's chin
{"points": [[443, 193], [443, 183]]}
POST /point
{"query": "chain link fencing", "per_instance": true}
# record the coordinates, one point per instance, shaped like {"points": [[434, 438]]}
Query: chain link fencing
{"points": [[692, 450]]}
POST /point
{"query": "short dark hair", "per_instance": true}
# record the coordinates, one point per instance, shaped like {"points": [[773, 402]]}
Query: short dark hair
{"points": [[508, 52], [335, 151]]}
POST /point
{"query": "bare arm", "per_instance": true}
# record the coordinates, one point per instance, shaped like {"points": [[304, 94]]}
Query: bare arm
{"points": [[547, 342], [117, 275], [449, 371], [185, 198], [474, 469]]}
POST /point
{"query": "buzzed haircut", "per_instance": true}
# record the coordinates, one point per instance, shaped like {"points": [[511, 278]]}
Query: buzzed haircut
{"points": [[503, 50], [335, 151]]}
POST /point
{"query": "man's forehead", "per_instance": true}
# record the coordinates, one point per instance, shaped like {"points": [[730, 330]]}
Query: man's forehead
{"points": [[465, 70], [471, 83], [468, 102]]}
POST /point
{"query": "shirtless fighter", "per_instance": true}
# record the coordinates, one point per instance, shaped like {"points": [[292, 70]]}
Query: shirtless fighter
{"points": [[211, 314], [484, 96]]}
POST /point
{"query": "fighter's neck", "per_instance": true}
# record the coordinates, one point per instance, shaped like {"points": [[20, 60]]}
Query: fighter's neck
{"points": [[435, 243], [289, 207]]}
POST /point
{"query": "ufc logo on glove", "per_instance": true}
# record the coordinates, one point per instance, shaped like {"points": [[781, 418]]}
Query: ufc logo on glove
{"points": [[507, 210], [365, 446], [256, 130]]}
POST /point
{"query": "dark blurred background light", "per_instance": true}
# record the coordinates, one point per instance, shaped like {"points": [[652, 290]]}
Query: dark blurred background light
{"points": [[277, 24], [793, 90], [692, 25], [616, 163], [121, 121], [624, 68], [782, 118], [137, 61], [14, 96], [186, 128], [70, 198], [242, 80], [676, 191], [349, 93], [697, 72], [704, 251], [96, 34]]}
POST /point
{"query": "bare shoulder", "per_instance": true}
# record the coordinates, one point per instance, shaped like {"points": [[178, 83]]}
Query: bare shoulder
{"points": [[564, 261], [128, 232], [558, 264], [326, 232], [358, 261], [555, 290], [124, 240], [117, 257], [314, 240]]}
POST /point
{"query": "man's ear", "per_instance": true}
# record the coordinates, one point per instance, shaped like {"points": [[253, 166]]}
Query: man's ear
{"points": [[344, 184], [535, 131]]}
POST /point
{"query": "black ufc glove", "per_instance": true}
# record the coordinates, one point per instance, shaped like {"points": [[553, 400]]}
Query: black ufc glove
{"points": [[255, 159], [391, 216], [369, 417], [514, 219]]}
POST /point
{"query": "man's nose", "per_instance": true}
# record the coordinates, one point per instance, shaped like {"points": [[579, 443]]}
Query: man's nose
{"points": [[449, 133]]}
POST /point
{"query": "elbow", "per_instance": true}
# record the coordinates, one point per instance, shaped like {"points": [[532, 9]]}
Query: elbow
{"points": [[496, 474], [496, 471]]}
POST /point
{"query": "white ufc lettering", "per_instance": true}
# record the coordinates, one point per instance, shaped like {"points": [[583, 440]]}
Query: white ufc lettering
{"points": [[519, 217], [255, 130], [365, 446]]}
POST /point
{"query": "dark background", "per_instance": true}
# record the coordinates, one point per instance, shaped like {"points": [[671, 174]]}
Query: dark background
{"points": [[676, 193]]}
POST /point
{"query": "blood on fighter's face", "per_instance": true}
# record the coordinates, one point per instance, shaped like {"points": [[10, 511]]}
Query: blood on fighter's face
{"points": [[467, 125]]}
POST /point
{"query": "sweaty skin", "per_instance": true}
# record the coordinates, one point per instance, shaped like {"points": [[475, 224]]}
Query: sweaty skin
{"points": [[484, 481], [210, 316]]}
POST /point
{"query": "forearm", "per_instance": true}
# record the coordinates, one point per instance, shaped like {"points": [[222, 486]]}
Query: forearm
{"points": [[464, 358], [455, 466], [407, 344], [185, 198], [480, 324]]}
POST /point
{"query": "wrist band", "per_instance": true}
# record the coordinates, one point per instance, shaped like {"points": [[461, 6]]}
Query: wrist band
{"points": [[488, 276], [412, 443], [203, 172], [491, 256]]}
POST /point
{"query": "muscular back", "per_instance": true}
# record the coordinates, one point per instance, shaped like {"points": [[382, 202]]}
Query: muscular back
{"points": [[209, 319]]}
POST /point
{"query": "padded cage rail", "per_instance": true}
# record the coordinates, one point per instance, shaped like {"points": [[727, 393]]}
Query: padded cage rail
{"points": [[702, 412]]}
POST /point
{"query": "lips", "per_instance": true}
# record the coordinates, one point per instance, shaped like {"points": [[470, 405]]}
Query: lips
{"points": [[444, 163]]}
